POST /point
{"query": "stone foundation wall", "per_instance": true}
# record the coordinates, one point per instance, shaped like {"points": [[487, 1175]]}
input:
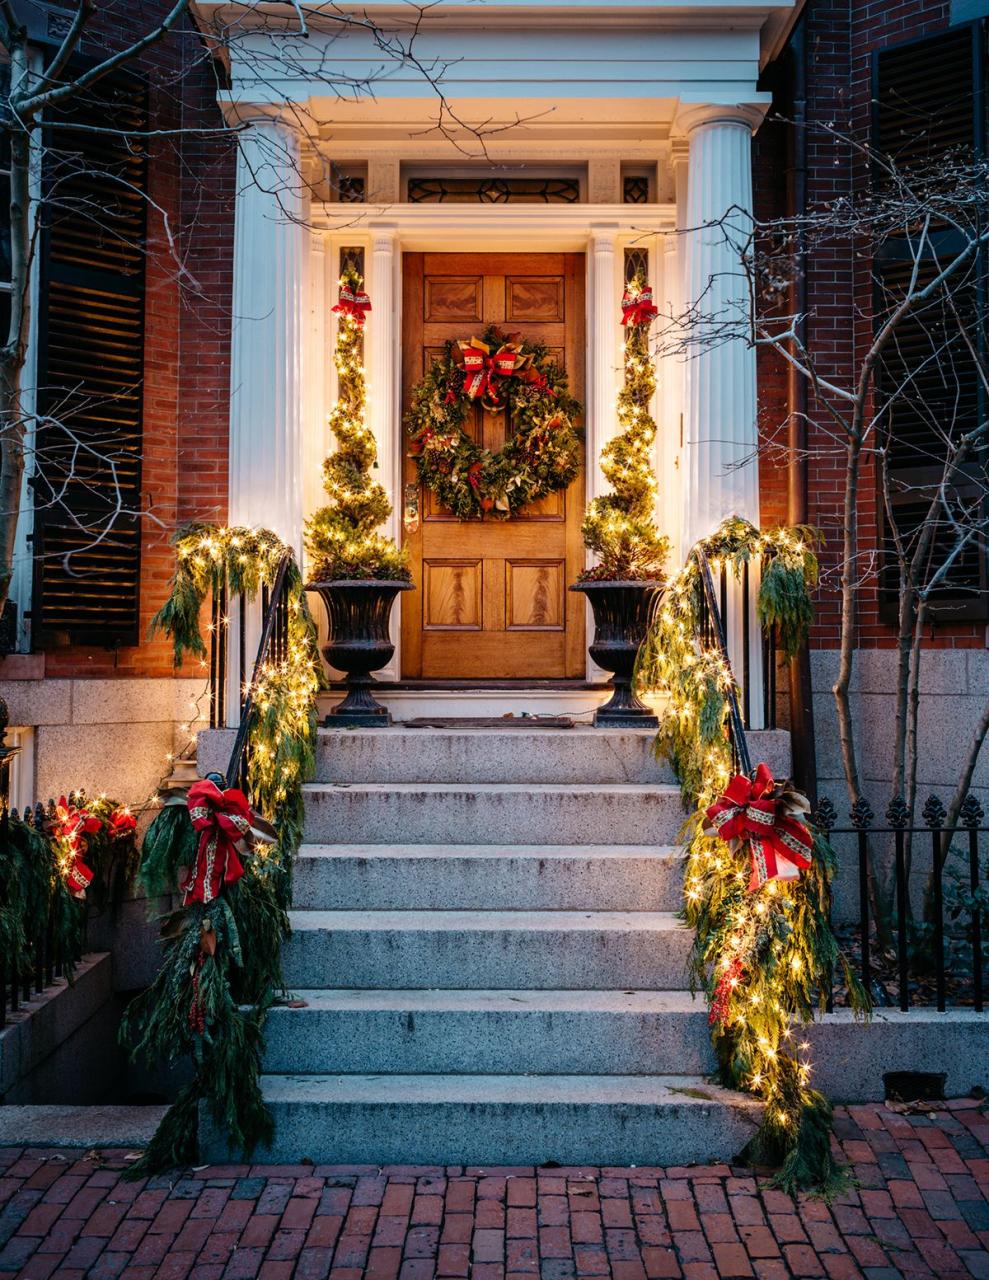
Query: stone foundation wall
{"points": [[103, 735]]}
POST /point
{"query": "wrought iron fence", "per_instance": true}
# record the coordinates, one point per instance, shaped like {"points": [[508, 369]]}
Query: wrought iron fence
{"points": [[42, 956], [917, 947]]}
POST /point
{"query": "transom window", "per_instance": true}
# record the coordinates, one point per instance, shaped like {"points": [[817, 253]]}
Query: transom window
{"points": [[485, 189]]}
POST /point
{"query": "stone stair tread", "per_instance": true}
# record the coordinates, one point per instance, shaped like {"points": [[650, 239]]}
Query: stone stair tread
{"points": [[499, 788], [450, 999], [497, 921], [637, 1090], [571, 851]]}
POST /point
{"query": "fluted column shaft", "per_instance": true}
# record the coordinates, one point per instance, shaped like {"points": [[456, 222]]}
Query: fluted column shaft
{"points": [[267, 401], [720, 415], [721, 440]]}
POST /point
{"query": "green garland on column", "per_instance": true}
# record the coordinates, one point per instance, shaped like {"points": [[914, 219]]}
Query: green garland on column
{"points": [[764, 957], [222, 965], [619, 527], [342, 538]]}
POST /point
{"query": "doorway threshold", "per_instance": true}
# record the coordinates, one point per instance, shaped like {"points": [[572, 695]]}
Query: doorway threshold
{"points": [[483, 699]]}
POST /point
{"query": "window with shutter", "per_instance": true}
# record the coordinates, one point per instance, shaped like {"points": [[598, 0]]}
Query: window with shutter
{"points": [[928, 103], [87, 485]]}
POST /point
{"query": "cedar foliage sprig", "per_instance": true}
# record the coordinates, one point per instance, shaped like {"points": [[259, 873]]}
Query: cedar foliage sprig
{"points": [[222, 964], [765, 959], [342, 538], [619, 527]]}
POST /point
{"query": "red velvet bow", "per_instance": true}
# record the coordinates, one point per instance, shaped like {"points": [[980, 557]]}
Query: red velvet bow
{"points": [[637, 308], [72, 826], [222, 818], [779, 845], [482, 369], [353, 302], [121, 823]]}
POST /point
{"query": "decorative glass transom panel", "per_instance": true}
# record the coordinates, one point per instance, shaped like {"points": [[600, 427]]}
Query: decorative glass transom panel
{"points": [[487, 190]]}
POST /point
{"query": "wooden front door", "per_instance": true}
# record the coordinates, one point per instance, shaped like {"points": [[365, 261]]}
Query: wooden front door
{"points": [[491, 599]]}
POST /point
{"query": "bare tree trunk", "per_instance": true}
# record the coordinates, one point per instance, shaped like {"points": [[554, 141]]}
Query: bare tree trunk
{"points": [[12, 417], [913, 713], [957, 800]]}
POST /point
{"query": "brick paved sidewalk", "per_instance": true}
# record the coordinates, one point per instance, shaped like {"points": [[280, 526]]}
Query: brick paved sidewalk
{"points": [[921, 1208]]}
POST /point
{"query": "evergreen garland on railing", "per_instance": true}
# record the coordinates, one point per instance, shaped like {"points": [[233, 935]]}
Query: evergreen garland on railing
{"points": [[222, 965], [765, 958]]}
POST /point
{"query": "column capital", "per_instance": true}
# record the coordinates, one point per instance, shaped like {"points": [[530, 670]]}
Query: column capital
{"points": [[693, 115], [604, 236], [384, 235]]}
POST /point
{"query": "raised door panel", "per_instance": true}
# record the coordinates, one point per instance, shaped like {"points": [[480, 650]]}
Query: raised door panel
{"points": [[535, 595], [453, 299], [535, 299], [452, 595]]}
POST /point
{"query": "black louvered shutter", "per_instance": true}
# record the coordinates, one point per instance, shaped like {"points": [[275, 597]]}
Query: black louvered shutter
{"points": [[928, 104], [87, 487]]}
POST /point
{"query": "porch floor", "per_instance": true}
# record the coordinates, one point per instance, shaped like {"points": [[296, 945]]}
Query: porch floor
{"points": [[920, 1209]]}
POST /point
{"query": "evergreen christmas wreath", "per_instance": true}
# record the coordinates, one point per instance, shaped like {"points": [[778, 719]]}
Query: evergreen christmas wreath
{"points": [[504, 373]]}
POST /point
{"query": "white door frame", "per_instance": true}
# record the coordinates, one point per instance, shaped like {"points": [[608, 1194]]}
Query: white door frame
{"points": [[600, 232]]}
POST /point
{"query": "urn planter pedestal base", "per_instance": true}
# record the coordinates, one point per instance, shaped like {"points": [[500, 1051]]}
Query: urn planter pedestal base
{"points": [[622, 613], [359, 612]]}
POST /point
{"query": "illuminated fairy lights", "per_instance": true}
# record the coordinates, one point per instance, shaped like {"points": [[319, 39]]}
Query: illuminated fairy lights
{"points": [[765, 958]]}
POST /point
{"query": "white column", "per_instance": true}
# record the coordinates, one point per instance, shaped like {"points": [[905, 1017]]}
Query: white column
{"points": [[267, 403], [269, 333], [671, 489], [318, 356], [720, 433], [720, 425], [382, 356], [602, 418]]}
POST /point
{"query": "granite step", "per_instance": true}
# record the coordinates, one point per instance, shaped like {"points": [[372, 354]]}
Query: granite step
{"points": [[577, 755], [580, 754], [452, 1032], [494, 877], [492, 813], [499, 1120], [570, 950]]}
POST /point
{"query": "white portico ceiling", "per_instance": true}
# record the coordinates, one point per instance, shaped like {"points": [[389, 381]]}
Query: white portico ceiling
{"points": [[580, 68]]}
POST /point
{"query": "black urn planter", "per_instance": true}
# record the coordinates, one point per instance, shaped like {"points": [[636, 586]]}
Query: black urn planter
{"points": [[359, 612], [622, 613]]}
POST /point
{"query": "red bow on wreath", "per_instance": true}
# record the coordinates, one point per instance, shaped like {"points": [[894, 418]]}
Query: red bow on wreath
{"points": [[222, 818], [353, 302], [637, 307], [71, 828], [482, 369], [762, 814]]}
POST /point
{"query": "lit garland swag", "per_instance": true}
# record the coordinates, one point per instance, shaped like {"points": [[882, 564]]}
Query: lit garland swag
{"points": [[50, 861], [343, 540], [619, 526], [501, 372], [222, 966], [763, 947]]}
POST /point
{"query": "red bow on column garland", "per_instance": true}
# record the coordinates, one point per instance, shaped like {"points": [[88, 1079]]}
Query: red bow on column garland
{"points": [[779, 845], [637, 308], [222, 818], [353, 302], [71, 828]]}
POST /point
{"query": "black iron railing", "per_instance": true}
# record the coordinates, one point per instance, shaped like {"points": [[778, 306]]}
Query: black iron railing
{"points": [[718, 604], [919, 945], [272, 647], [712, 635]]}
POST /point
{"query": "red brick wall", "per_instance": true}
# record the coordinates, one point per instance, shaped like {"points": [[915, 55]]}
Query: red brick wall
{"points": [[187, 318], [841, 39]]}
